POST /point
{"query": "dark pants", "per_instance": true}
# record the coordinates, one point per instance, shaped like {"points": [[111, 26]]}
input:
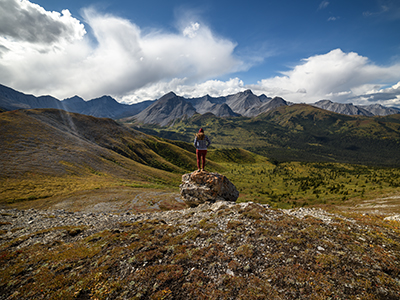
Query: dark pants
{"points": [[201, 155]]}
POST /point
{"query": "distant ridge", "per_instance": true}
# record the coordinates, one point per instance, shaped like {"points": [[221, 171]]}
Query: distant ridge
{"points": [[379, 110], [350, 109], [103, 107], [171, 107]]}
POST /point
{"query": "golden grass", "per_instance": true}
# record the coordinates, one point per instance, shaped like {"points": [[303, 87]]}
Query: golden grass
{"points": [[85, 193]]}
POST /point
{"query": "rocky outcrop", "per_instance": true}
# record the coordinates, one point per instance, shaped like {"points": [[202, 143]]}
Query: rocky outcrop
{"points": [[201, 186]]}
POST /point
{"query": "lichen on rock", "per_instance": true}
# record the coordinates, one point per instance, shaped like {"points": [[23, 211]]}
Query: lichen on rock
{"points": [[201, 186]]}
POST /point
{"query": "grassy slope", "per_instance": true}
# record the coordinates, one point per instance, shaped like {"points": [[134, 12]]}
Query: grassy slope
{"points": [[300, 133], [46, 153]]}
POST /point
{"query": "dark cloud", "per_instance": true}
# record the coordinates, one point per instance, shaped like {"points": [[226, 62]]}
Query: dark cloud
{"points": [[25, 21], [389, 94], [382, 96], [3, 50]]}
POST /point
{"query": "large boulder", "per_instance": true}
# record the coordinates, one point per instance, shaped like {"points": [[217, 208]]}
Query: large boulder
{"points": [[201, 186]]}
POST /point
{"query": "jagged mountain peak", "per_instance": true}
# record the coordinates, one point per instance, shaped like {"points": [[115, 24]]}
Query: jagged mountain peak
{"points": [[278, 99], [103, 107], [105, 98], [74, 99], [324, 101], [165, 110], [376, 105], [248, 92], [264, 98], [245, 103], [168, 96]]}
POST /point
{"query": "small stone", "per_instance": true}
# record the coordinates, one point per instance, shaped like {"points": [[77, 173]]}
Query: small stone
{"points": [[247, 268], [74, 231], [395, 217], [230, 272]]}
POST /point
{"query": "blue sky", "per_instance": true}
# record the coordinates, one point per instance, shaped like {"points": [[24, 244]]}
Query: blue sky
{"points": [[303, 51]]}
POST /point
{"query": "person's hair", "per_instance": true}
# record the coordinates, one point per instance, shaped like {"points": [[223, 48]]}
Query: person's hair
{"points": [[200, 136]]}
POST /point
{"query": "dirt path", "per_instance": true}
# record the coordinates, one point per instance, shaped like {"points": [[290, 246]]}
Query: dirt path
{"points": [[113, 200], [384, 206]]}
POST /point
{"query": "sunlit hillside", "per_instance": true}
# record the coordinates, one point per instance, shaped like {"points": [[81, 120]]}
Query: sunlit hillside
{"points": [[298, 133], [45, 153]]}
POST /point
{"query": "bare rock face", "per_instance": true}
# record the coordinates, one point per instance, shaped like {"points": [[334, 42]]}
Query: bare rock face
{"points": [[200, 186]]}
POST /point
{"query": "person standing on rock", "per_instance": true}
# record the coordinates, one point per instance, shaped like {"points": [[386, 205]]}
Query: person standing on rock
{"points": [[201, 142]]}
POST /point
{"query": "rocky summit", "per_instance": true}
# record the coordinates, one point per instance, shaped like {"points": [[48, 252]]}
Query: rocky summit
{"points": [[201, 186], [223, 250]]}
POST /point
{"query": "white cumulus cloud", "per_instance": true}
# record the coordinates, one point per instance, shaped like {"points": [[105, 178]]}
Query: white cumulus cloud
{"points": [[389, 96], [122, 60], [214, 88], [191, 30], [336, 75]]}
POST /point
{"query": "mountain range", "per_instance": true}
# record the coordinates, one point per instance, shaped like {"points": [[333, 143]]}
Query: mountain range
{"points": [[350, 109], [103, 107], [170, 107]]}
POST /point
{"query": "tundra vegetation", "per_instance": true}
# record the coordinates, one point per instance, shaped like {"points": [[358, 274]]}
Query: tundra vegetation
{"points": [[235, 252]]}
